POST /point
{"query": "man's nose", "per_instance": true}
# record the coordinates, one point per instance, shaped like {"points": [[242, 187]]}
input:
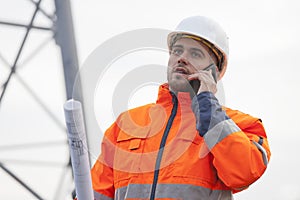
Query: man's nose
{"points": [[183, 59]]}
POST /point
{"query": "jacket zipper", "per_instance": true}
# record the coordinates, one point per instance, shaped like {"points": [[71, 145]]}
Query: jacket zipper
{"points": [[162, 145]]}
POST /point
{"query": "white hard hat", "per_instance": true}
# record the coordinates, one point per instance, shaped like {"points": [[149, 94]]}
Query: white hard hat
{"points": [[208, 32]]}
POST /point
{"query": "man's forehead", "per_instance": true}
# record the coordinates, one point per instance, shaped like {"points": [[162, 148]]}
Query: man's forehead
{"points": [[190, 43]]}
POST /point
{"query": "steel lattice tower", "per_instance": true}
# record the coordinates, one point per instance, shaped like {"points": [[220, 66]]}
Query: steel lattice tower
{"points": [[59, 37]]}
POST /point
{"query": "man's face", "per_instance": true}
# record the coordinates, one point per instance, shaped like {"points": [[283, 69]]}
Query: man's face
{"points": [[187, 57]]}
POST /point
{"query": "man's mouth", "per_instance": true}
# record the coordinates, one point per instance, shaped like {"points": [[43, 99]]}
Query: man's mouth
{"points": [[180, 70]]}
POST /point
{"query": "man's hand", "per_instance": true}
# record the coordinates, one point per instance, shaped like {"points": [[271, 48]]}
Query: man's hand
{"points": [[207, 82]]}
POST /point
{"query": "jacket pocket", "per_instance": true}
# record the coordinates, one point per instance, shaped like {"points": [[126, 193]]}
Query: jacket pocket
{"points": [[127, 159], [129, 142]]}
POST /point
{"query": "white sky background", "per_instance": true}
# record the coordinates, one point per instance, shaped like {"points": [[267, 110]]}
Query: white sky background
{"points": [[262, 78]]}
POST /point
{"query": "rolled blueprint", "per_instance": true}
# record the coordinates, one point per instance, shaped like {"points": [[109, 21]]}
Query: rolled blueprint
{"points": [[78, 149]]}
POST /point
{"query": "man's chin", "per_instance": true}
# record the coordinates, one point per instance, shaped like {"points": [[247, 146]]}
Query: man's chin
{"points": [[180, 86]]}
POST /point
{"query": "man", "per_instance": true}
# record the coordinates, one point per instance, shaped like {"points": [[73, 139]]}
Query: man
{"points": [[185, 146]]}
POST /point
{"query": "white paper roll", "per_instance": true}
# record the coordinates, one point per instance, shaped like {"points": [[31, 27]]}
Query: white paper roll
{"points": [[79, 150]]}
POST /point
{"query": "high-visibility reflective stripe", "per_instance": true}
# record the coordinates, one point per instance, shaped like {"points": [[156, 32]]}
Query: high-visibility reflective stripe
{"points": [[263, 152], [98, 196], [173, 191], [219, 132]]}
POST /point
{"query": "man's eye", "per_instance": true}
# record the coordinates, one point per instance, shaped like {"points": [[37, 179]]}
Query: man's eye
{"points": [[177, 51], [196, 54]]}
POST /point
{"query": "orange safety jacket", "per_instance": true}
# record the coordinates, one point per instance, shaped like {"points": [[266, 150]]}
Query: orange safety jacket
{"points": [[180, 148]]}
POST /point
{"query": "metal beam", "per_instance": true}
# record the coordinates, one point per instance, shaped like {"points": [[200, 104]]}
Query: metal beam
{"points": [[51, 17], [20, 181], [64, 36], [13, 68], [26, 26]]}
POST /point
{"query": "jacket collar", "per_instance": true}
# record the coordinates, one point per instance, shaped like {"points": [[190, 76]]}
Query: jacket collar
{"points": [[165, 96]]}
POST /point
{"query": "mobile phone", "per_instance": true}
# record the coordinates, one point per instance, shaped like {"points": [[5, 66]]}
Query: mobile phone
{"points": [[196, 83], [213, 70]]}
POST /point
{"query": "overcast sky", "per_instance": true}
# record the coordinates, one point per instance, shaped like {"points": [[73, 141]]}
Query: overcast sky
{"points": [[262, 80]]}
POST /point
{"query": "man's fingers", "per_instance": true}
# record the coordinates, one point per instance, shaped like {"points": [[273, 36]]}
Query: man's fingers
{"points": [[193, 77], [207, 81], [202, 75]]}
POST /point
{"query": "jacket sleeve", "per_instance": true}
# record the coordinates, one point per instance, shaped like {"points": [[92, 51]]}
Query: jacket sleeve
{"points": [[237, 141], [102, 171]]}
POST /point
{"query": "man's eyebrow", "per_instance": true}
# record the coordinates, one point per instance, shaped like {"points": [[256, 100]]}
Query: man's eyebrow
{"points": [[177, 45]]}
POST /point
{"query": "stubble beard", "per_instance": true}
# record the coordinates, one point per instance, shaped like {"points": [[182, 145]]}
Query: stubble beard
{"points": [[178, 83]]}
